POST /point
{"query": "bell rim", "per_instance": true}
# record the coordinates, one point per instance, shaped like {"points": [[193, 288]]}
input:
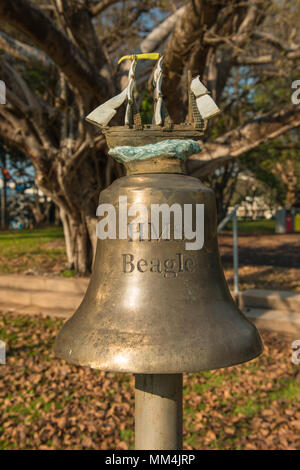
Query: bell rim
{"points": [[60, 352]]}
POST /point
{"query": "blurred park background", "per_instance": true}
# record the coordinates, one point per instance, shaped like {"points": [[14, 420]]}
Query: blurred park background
{"points": [[58, 61]]}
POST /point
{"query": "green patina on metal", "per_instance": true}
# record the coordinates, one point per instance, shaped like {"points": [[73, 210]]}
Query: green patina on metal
{"points": [[177, 148]]}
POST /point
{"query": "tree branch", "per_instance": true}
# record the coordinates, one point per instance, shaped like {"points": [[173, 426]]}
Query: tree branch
{"points": [[23, 51], [161, 32], [274, 41], [76, 16], [150, 44], [15, 83], [263, 59], [196, 18], [101, 6], [49, 38], [244, 138], [23, 102], [16, 131]]}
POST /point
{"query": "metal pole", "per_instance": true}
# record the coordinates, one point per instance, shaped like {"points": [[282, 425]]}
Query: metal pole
{"points": [[235, 254], [158, 411], [3, 195]]}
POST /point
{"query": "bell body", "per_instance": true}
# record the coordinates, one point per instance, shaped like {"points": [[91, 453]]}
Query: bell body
{"points": [[152, 306]]}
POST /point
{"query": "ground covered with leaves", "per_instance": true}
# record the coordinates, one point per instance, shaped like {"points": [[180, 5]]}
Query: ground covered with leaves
{"points": [[266, 261], [47, 404]]}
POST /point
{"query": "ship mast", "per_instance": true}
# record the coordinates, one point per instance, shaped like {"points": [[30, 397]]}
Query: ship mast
{"points": [[130, 108], [161, 116], [158, 97]]}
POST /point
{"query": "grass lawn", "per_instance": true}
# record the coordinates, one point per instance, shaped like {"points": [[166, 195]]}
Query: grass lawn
{"points": [[46, 403], [39, 250], [250, 227]]}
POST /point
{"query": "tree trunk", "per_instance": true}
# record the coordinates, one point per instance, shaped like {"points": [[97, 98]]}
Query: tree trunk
{"points": [[286, 172], [82, 250], [291, 184], [80, 242], [68, 237]]}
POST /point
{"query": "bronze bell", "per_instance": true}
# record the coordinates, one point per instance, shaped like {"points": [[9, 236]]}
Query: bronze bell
{"points": [[152, 306]]}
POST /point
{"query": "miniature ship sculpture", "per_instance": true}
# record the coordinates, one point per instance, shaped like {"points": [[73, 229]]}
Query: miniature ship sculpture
{"points": [[201, 108]]}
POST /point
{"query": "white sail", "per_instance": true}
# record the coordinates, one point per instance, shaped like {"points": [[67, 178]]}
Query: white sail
{"points": [[157, 80], [197, 87], [207, 107], [106, 111], [205, 104]]}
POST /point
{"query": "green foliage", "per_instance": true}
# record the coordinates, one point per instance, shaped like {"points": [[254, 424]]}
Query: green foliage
{"points": [[37, 79], [147, 108], [270, 161], [68, 273]]}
